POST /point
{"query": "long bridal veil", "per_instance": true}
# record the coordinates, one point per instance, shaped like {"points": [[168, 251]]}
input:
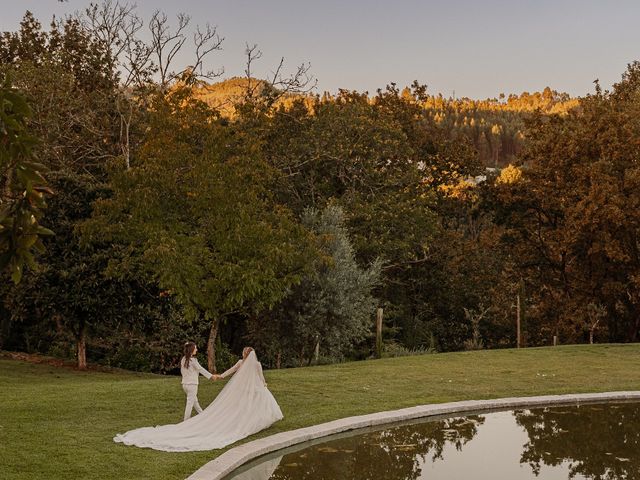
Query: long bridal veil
{"points": [[243, 407]]}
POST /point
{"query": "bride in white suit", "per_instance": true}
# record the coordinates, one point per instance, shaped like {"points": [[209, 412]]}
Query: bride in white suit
{"points": [[243, 407]]}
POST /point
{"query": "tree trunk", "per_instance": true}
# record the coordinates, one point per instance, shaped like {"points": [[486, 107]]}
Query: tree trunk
{"points": [[633, 333], [301, 357], [278, 359], [6, 192], [5, 330], [126, 148], [379, 332], [592, 331], [316, 352], [5, 326], [125, 124], [211, 348], [81, 341]]}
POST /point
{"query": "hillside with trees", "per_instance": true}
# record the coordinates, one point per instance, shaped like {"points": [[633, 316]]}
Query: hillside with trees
{"points": [[495, 127]]}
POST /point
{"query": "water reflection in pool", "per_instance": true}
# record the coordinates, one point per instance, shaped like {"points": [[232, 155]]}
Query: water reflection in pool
{"points": [[598, 442]]}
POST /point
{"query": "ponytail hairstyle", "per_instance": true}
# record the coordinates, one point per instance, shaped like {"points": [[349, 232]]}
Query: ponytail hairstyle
{"points": [[189, 347]]}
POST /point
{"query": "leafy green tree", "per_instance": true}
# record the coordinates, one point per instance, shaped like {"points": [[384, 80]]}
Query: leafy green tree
{"points": [[197, 214], [331, 310], [69, 85], [22, 201], [383, 160], [66, 75], [66, 305], [572, 218]]}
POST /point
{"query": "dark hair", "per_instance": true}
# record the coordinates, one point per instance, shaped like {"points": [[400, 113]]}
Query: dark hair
{"points": [[189, 347]]}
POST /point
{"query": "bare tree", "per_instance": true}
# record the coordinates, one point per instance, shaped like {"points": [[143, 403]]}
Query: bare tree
{"points": [[166, 44], [474, 317], [118, 26], [206, 42], [278, 84], [595, 313]]}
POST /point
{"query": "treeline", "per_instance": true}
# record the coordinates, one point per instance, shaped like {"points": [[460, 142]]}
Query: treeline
{"points": [[286, 224], [495, 127]]}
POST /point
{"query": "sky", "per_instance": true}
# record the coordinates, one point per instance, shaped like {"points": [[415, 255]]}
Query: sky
{"points": [[461, 48]]}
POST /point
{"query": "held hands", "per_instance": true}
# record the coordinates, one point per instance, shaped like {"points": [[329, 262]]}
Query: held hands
{"points": [[215, 377]]}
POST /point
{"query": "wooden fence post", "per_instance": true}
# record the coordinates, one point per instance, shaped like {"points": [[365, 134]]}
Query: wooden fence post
{"points": [[518, 320], [379, 333]]}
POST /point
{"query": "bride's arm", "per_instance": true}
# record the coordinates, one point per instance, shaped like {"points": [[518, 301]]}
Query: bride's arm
{"points": [[232, 370]]}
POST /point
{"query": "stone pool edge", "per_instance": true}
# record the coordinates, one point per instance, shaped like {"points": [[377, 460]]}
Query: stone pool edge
{"points": [[226, 463]]}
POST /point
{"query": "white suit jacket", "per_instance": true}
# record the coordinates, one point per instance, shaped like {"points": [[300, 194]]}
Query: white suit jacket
{"points": [[190, 373]]}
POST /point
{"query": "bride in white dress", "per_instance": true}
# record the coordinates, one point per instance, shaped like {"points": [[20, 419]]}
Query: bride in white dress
{"points": [[243, 407]]}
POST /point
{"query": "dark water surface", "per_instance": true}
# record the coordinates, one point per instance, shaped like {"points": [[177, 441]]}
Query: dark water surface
{"points": [[555, 443]]}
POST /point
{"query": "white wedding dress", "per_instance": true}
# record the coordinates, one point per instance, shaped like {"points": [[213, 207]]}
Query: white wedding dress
{"points": [[243, 407]]}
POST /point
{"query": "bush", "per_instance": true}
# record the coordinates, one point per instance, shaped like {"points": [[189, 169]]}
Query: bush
{"points": [[394, 349]]}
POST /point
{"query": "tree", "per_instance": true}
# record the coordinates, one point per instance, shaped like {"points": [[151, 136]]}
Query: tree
{"points": [[198, 215], [147, 65], [22, 201], [86, 80], [384, 161], [572, 218], [67, 307], [331, 309], [65, 74]]}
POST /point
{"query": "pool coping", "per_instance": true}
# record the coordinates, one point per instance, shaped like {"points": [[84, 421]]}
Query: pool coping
{"points": [[226, 463]]}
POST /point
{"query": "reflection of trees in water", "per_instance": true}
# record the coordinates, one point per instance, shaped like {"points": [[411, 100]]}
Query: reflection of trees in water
{"points": [[599, 442], [394, 454]]}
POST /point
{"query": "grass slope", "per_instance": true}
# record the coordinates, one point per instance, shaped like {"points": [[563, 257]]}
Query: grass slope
{"points": [[57, 423]]}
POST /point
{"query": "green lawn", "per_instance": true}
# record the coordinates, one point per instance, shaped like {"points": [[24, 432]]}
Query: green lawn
{"points": [[57, 423]]}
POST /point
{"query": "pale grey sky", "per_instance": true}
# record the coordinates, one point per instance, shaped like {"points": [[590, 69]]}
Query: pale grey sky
{"points": [[475, 48]]}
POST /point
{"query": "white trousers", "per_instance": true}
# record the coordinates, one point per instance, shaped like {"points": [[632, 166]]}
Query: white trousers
{"points": [[192, 400]]}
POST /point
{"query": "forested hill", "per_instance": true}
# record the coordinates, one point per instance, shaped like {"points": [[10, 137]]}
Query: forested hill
{"points": [[494, 126], [224, 95]]}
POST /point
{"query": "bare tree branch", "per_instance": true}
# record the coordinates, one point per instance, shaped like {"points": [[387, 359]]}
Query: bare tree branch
{"points": [[165, 44], [301, 81], [252, 54], [279, 85], [117, 26], [206, 42]]}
